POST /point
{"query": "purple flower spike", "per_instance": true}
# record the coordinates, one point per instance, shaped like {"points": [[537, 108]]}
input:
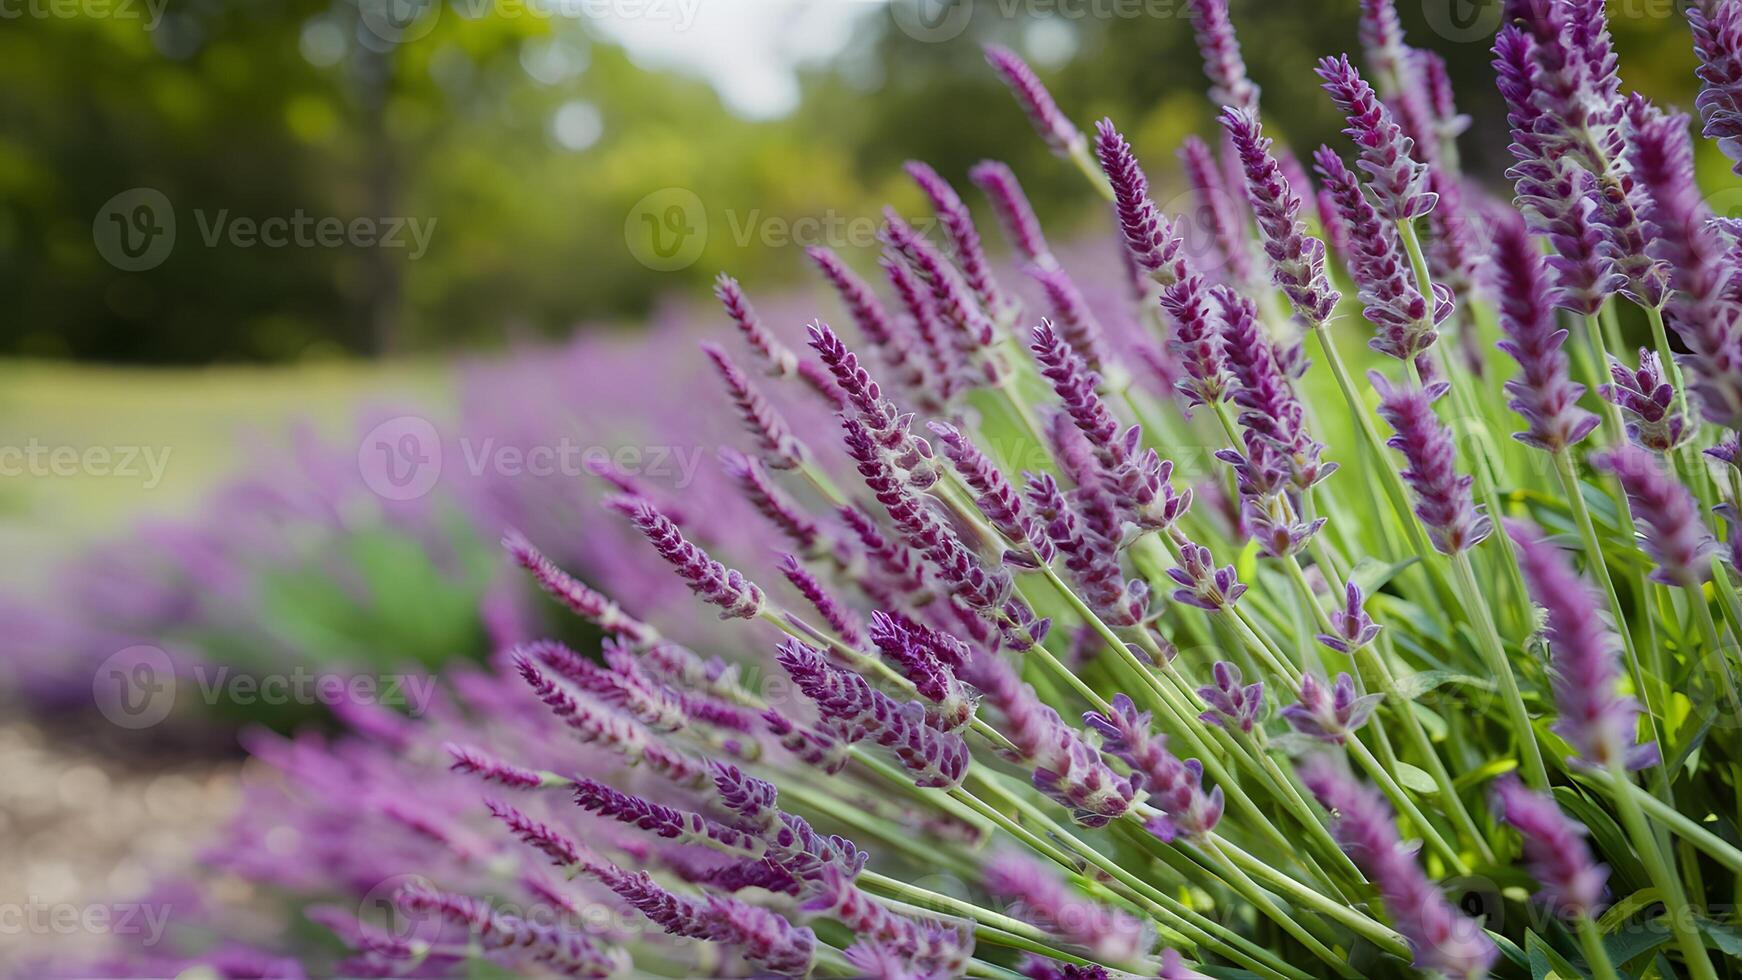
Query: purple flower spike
{"points": [[1387, 289], [810, 746], [778, 359], [958, 226], [1136, 477], [592, 606], [1442, 497], [1015, 215], [1647, 400], [1265, 393], [929, 658], [1065, 766], [780, 448], [1297, 260], [557, 950], [737, 596], [996, 499], [840, 619], [1196, 341], [1038, 895], [936, 759], [1718, 43], [1397, 179], [1202, 584], [1175, 786], [1330, 716], [1090, 559], [594, 724], [1052, 125], [1672, 532], [1149, 236], [1700, 311], [774, 503], [1542, 393], [1584, 655], [972, 331], [1443, 940], [927, 944], [1355, 629], [541, 837], [1573, 882], [1216, 211], [1234, 704], [491, 769], [664, 821], [894, 345], [1220, 49], [909, 458], [1074, 318]]}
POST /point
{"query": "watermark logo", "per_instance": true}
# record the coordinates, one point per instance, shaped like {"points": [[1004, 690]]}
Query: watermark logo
{"points": [[395, 925], [401, 459], [932, 21], [667, 229], [135, 230], [1462, 21], [39, 460], [399, 21], [135, 688]]}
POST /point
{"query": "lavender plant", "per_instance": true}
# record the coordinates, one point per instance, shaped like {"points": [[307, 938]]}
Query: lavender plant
{"points": [[1013, 718]]}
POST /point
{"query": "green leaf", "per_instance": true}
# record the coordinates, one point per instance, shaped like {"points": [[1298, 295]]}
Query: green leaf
{"points": [[1545, 962], [1370, 574], [1625, 947], [1625, 909], [1416, 779], [1246, 562], [1415, 685], [1485, 772], [1721, 937]]}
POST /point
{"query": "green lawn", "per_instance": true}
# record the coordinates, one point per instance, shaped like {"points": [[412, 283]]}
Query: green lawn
{"points": [[194, 424]]}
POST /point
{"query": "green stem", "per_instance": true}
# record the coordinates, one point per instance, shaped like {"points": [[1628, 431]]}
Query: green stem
{"points": [[1596, 957], [1495, 655], [1669, 887]]}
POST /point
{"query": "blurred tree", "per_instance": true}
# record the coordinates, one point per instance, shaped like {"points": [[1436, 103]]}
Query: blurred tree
{"points": [[524, 150]]}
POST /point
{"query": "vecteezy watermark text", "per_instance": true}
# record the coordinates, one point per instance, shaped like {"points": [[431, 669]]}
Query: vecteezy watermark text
{"points": [[36, 917], [148, 12], [40, 460]]}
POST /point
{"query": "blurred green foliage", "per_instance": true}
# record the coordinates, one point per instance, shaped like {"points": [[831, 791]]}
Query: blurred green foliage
{"points": [[280, 108]]}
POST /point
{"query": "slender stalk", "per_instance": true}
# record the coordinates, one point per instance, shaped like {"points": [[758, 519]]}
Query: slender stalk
{"points": [[1495, 655], [1596, 957], [1669, 887]]}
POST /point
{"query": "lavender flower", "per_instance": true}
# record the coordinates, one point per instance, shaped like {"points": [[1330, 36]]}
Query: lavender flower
{"points": [[1355, 629], [592, 606], [1041, 897], [775, 504], [1647, 400], [592, 724], [958, 226], [1090, 559], [1234, 704], [936, 758], [893, 344], [561, 951], [996, 499], [930, 659], [1396, 178], [1076, 322], [737, 597], [763, 937], [1389, 297], [1137, 478], [1673, 534], [1015, 215], [1065, 766], [1542, 393], [470, 760], [973, 332], [1442, 497], [1220, 49], [1297, 260], [1271, 409], [1201, 583], [1174, 786], [1059, 132], [1572, 881], [1197, 341], [664, 821], [929, 944], [1149, 237], [810, 746], [777, 358], [1594, 717], [1443, 940], [1699, 311], [840, 619], [562, 851], [1718, 43], [1216, 211], [909, 458], [1330, 717]]}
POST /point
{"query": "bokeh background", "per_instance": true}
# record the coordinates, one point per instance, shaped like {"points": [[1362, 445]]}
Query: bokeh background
{"points": [[238, 238]]}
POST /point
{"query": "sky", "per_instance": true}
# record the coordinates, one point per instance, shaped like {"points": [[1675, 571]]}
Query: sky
{"points": [[749, 50]]}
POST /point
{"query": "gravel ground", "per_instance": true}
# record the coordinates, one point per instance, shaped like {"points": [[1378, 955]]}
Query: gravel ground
{"points": [[82, 824]]}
